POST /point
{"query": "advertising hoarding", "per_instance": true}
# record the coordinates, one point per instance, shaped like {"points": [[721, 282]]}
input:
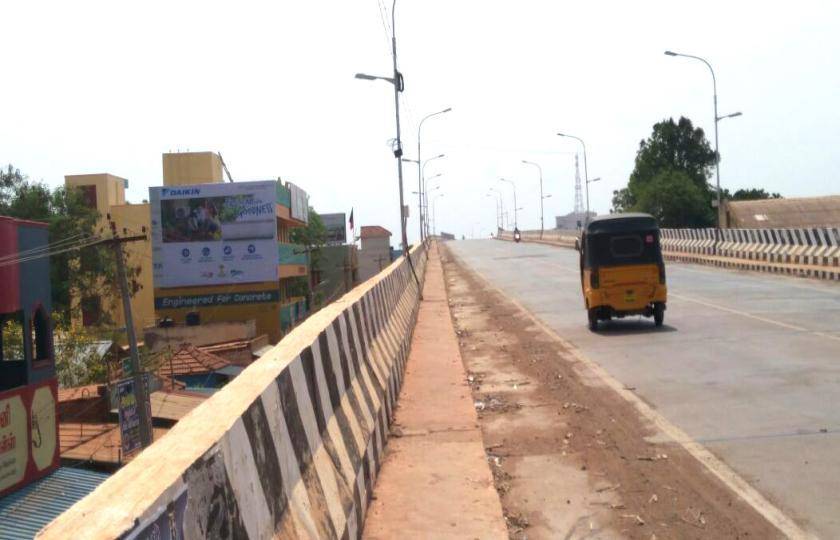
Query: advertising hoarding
{"points": [[28, 434], [300, 203], [214, 234], [336, 225]]}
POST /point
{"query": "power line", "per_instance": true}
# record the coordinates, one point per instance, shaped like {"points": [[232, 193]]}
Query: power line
{"points": [[46, 247], [86, 243]]}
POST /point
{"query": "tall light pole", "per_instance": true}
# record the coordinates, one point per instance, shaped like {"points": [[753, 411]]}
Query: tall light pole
{"points": [[425, 196], [515, 205], [495, 206], [434, 214], [501, 207], [542, 223], [717, 148], [585, 170], [399, 85], [420, 185]]}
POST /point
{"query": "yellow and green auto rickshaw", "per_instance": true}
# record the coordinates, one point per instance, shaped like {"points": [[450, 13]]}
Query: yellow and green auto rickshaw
{"points": [[621, 268]]}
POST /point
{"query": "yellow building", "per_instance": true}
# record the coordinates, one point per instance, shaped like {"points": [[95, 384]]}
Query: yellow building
{"points": [[106, 193], [275, 305]]}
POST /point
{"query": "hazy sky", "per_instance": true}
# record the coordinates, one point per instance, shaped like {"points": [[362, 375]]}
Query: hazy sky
{"points": [[109, 86]]}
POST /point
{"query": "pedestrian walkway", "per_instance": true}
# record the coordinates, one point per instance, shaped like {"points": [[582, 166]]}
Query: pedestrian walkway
{"points": [[435, 481]]}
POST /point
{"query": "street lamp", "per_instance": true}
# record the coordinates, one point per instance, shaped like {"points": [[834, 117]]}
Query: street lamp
{"points": [[501, 207], [717, 119], [542, 224], [420, 182], [585, 170], [399, 85], [515, 215], [434, 213], [425, 197]]}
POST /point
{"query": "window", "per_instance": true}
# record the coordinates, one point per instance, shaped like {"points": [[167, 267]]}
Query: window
{"points": [[91, 311], [626, 246], [41, 349], [11, 337], [89, 195]]}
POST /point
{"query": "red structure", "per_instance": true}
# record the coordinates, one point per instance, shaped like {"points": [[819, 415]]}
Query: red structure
{"points": [[28, 430]]}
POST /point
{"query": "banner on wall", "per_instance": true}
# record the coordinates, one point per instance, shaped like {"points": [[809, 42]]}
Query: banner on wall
{"points": [[28, 434], [214, 234], [300, 203], [336, 228]]}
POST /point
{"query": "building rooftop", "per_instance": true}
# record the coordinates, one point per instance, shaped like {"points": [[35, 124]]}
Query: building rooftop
{"points": [[190, 360], [784, 213], [374, 231], [26, 511]]}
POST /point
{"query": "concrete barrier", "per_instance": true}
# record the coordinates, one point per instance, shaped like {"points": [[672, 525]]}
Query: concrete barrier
{"points": [[813, 252], [290, 448]]}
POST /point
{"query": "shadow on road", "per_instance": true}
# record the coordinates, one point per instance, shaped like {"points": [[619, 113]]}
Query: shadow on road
{"points": [[617, 327]]}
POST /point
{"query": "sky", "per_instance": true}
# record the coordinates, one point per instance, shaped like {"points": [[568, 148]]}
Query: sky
{"points": [[109, 86]]}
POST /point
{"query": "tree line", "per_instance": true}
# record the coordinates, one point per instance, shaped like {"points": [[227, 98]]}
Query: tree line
{"points": [[670, 179]]}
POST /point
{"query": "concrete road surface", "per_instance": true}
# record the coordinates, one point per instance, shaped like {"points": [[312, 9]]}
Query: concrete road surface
{"points": [[747, 364]]}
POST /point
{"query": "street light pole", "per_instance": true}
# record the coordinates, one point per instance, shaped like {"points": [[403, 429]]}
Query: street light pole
{"points": [[717, 148], [434, 213], [542, 222], [585, 171], [425, 195], [399, 86], [420, 183], [515, 205], [501, 208]]}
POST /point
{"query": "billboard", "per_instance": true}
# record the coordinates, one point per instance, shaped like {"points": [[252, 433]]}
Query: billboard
{"points": [[28, 434], [214, 234], [300, 203], [336, 228]]}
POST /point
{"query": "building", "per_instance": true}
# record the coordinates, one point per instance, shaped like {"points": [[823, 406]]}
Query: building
{"points": [[572, 221], [28, 388], [106, 193], [375, 253], [782, 213], [222, 252]]}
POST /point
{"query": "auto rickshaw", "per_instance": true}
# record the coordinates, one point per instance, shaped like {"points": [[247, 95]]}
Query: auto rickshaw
{"points": [[621, 268]]}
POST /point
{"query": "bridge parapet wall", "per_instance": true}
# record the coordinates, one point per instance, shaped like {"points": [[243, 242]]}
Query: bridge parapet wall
{"points": [[290, 448]]}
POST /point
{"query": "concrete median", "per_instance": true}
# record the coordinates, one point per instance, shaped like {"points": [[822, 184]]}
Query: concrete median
{"points": [[290, 448]]}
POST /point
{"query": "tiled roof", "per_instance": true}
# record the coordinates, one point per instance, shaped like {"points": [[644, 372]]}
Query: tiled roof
{"points": [[190, 360], [373, 231], [26, 511]]}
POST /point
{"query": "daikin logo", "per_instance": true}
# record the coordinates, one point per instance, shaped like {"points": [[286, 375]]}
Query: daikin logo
{"points": [[171, 192]]}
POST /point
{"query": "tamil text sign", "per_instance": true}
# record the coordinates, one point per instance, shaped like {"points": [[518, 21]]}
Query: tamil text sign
{"points": [[214, 234], [28, 434]]}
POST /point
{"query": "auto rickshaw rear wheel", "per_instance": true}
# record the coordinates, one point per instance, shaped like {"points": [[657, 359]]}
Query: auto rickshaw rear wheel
{"points": [[593, 319], [658, 313]]}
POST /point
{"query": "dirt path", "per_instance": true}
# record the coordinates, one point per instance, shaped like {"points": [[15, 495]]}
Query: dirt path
{"points": [[435, 482], [570, 457]]}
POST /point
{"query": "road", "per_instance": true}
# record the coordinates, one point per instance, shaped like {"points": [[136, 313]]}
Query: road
{"points": [[746, 364]]}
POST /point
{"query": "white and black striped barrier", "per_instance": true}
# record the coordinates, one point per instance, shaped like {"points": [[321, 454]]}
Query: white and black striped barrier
{"points": [[810, 252], [290, 448]]}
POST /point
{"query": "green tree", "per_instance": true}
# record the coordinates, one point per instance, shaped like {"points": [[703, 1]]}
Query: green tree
{"points": [[313, 237], [673, 147], [750, 194], [91, 269], [675, 200]]}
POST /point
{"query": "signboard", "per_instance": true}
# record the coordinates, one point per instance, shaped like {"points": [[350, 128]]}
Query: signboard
{"points": [[129, 415], [300, 203], [214, 234], [28, 434], [336, 225], [216, 299]]}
